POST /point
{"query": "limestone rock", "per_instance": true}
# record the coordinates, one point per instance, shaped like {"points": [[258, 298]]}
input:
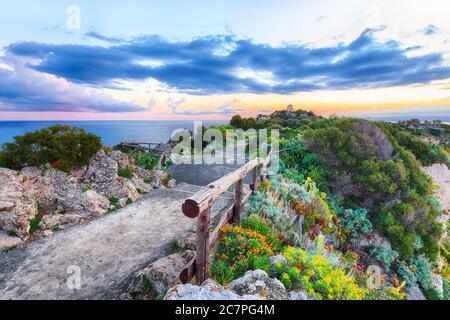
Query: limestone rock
{"points": [[209, 290], [102, 175], [171, 184], [8, 242], [159, 177], [278, 259], [31, 173], [441, 177], [69, 199], [297, 295], [414, 294], [161, 274], [258, 282], [187, 240], [6, 205], [17, 207]]}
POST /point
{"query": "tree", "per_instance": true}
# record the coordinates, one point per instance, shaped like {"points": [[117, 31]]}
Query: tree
{"points": [[60, 146]]}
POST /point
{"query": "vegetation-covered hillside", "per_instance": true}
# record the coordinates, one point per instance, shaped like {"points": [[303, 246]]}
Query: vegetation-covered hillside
{"points": [[350, 194]]}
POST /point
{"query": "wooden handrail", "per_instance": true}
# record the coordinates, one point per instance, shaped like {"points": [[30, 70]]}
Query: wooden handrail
{"points": [[200, 206], [203, 199]]}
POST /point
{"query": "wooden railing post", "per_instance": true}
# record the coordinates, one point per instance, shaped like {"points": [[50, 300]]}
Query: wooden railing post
{"points": [[254, 179], [237, 208], [202, 257]]}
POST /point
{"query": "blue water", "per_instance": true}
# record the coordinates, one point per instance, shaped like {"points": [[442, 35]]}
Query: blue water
{"points": [[111, 132]]}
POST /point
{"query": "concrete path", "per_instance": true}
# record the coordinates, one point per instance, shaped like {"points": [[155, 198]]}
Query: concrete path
{"points": [[106, 251], [204, 174]]}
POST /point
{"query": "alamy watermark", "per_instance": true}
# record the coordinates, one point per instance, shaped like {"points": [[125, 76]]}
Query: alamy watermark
{"points": [[215, 145], [73, 21], [74, 278]]}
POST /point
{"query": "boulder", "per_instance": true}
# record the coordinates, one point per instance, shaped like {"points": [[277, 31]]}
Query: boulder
{"points": [[297, 295], [277, 260], [102, 175], [259, 283], [209, 290], [159, 177], [8, 242], [6, 205], [69, 199], [440, 174], [171, 184], [187, 240], [17, 205], [414, 293], [161, 274], [31, 173]]}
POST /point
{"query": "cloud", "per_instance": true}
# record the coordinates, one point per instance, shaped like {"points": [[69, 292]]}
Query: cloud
{"points": [[225, 109], [430, 30], [98, 36], [226, 64], [23, 89], [151, 104]]}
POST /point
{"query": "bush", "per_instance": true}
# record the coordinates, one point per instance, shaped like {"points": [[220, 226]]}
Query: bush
{"points": [[241, 249], [383, 254], [314, 274], [368, 165], [125, 172], [354, 222], [144, 160], [62, 147]]}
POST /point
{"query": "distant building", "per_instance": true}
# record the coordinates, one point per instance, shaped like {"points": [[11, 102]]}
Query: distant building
{"points": [[290, 108], [262, 117]]}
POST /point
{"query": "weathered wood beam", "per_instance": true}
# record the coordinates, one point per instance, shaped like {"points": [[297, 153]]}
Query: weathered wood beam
{"points": [[237, 208], [202, 254], [188, 272], [203, 199]]}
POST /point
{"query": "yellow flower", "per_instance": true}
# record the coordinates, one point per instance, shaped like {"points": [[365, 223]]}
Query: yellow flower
{"points": [[285, 276]]}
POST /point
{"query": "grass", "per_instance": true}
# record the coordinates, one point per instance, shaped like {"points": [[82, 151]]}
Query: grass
{"points": [[125, 172], [12, 233], [36, 221], [114, 202]]}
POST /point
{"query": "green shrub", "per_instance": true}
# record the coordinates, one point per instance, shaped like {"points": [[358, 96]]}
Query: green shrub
{"points": [[383, 254], [354, 222], [35, 223], [125, 172], [62, 147], [114, 204], [369, 166], [407, 273], [146, 161]]}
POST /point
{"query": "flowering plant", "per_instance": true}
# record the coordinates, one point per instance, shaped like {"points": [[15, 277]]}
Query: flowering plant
{"points": [[242, 249], [314, 274]]}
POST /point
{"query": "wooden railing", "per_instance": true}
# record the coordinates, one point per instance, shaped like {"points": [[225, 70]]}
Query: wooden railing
{"points": [[162, 149], [199, 206]]}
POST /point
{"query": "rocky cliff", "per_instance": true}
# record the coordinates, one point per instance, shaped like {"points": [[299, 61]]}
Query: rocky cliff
{"points": [[35, 201]]}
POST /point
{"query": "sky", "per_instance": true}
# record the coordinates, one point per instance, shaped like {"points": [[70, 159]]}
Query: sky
{"points": [[198, 59]]}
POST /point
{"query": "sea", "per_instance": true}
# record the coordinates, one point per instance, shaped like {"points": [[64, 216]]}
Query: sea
{"points": [[111, 132]]}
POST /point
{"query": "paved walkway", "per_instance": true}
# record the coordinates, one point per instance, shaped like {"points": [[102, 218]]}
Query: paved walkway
{"points": [[106, 251]]}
